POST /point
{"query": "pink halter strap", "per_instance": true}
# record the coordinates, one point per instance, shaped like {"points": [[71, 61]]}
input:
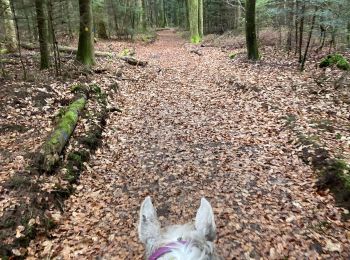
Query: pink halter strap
{"points": [[166, 249]]}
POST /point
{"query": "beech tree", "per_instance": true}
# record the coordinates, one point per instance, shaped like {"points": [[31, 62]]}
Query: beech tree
{"points": [[251, 39], [10, 30], [41, 17], [85, 53], [196, 20]]}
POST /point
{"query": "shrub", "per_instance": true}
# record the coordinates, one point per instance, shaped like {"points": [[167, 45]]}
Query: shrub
{"points": [[335, 59]]}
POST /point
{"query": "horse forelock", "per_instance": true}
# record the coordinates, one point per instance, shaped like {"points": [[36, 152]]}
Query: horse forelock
{"points": [[196, 248]]}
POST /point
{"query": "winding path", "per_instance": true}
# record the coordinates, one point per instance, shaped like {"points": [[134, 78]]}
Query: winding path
{"points": [[192, 126]]}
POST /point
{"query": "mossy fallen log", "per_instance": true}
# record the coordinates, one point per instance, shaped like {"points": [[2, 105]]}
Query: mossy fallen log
{"points": [[66, 49], [133, 61], [52, 148]]}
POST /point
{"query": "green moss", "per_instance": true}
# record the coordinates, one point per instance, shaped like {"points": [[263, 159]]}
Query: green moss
{"points": [[8, 223], [232, 55], [323, 124], [72, 174], [75, 88], [96, 89], [196, 39], [92, 140], [343, 64], [74, 157], [3, 51], [335, 59], [126, 52], [309, 140], [338, 136], [17, 182], [49, 223], [148, 37], [290, 119], [62, 192]]}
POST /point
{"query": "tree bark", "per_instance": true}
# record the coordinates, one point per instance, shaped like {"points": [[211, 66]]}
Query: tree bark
{"points": [[43, 34], [251, 39], [69, 7], [193, 18], [296, 26], [200, 18], [301, 31], [9, 26], [348, 36], [52, 148], [85, 53], [308, 41]]}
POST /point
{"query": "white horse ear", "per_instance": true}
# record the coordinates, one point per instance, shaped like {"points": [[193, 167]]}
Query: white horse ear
{"points": [[149, 226], [205, 223]]}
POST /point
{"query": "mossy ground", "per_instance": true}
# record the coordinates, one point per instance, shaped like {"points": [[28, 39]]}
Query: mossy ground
{"points": [[333, 173], [335, 59], [39, 200], [196, 39]]}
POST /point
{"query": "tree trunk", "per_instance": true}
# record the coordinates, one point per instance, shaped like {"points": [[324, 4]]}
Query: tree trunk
{"points": [[193, 18], [85, 53], [301, 31], [9, 26], [296, 26], [52, 148], [161, 14], [28, 22], [251, 39], [43, 34], [69, 7], [348, 36], [200, 18], [308, 41]]}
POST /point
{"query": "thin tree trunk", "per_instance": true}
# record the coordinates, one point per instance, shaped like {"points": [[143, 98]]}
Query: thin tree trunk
{"points": [[301, 31], [289, 22], [69, 19], [85, 53], [43, 34], [18, 39], [200, 18], [302, 67], [296, 26], [54, 41], [348, 36], [251, 39]]}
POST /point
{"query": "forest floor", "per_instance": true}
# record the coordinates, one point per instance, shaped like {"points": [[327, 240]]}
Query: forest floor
{"points": [[195, 123]]}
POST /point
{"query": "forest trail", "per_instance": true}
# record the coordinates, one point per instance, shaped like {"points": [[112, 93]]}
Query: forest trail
{"points": [[196, 126]]}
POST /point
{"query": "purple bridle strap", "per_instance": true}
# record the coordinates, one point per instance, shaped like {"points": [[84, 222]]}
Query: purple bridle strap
{"points": [[166, 249]]}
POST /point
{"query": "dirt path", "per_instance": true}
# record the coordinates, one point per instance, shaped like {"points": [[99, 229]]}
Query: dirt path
{"points": [[193, 126]]}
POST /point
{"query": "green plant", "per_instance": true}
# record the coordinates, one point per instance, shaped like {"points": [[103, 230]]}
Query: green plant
{"points": [[232, 55], [335, 59]]}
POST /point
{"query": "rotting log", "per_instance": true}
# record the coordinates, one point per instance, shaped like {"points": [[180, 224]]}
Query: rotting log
{"points": [[66, 49], [52, 148], [133, 61]]}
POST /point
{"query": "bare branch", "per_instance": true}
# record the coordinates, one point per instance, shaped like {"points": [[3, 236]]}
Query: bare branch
{"points": [[235, 3]]}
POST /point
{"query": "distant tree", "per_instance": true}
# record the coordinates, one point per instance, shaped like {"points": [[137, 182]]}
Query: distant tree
{"points": [[251, 39], [200, 18], [196, 20], [41, 17], [85, 53], [9, 26]]}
